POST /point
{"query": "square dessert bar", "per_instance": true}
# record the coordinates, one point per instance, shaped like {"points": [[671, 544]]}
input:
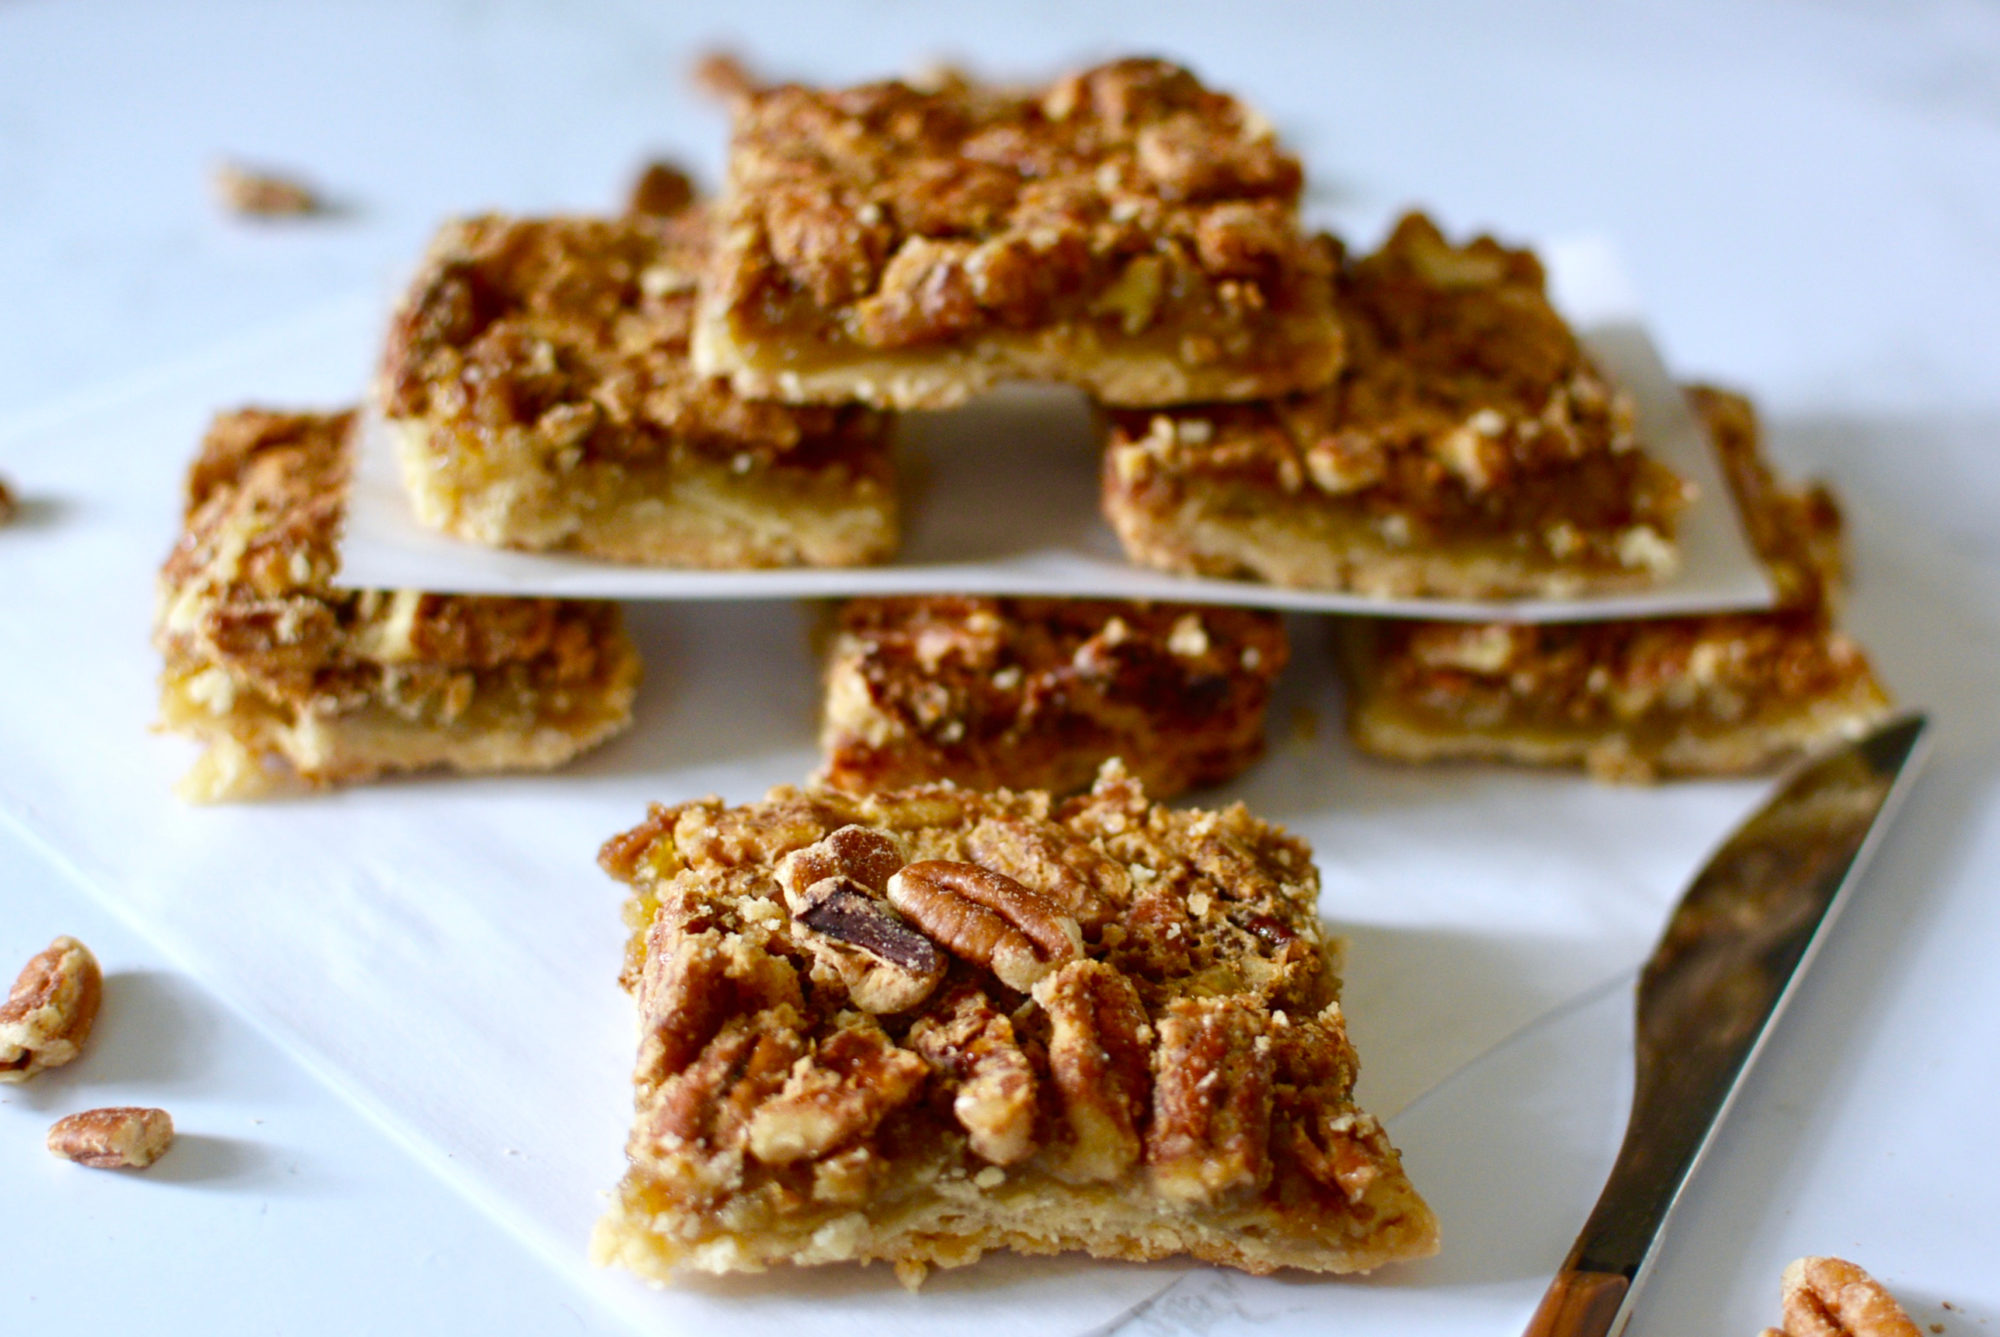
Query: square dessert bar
{"points": [[276, 671], [1127, 231], [539, 393], [921, 1024], [1470, 449], [1714, 695], [1038, 693]]}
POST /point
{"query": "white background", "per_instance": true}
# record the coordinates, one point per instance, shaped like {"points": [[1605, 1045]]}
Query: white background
{"points": [[1808, 197]]}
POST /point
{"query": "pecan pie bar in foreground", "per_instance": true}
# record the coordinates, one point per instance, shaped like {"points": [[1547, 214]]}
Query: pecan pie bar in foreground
{"points": [[1470, 449], [538, 389], [1712, 695], [275, 670], [923, 1024], [1127, 231], [1038, 693]]}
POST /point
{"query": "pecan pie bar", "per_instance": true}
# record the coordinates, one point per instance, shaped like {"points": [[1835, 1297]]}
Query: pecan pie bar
{"points": [[1126, 230], [275, 670], [1037, 693], [538, 389], [921, 1024], [1711, 695], [1470, 449]]}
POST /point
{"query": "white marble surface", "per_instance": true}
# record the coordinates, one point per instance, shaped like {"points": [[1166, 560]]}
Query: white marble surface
{"points": [[1810, 198]]}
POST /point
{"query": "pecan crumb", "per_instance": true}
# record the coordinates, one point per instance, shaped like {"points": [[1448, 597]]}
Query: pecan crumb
{"points": [[723, 76], [9, 508], [50, 1010], [257, 193], [126, 1137], [661, 191]]}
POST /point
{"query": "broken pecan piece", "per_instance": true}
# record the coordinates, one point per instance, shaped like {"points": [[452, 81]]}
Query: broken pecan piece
{"points": [[50, 1010], [1099, 1059], [987, 918], [1211, 1129], [124, 1137], [838, 1095], [694, 982], [867, 856], [708, 1104], [886, 965], [1831, 1297], [994, 1102]]}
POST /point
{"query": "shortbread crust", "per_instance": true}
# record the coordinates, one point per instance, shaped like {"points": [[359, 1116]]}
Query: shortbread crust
{"points": [[919, 1025], [1014, 693], [1470, 450], [287, 680], [1127, 231], [538, 388], [1720, 694]]}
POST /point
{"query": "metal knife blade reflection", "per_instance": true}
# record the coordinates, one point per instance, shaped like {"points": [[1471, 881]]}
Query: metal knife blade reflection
{"points": [[1741, 935]]}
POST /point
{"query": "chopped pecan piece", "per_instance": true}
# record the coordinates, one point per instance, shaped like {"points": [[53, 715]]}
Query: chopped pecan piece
{"points": [[994, 1102], [50, 1010], [708, 1104], [661, 191], [838, 1095], [1210, 1134], [263, 194], [987, 918], [1831, 1297], [1099, 1060], [886, 965], [124, 1137]]}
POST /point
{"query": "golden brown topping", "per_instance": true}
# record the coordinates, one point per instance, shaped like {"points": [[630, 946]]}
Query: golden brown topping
{"points": [[991, 1080], [120, 1138], [661, 191], [1099, 1047], [987, 918], [854, 1080], [257, 193], [50, 1010], [1212, 1089], [1831, 1297]]}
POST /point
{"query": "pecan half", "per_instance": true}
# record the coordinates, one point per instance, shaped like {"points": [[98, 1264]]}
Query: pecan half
{"points": [[1099, 1061], [1212, 1091], [125, 1137], [838, 1095], [886, 965], [708, 1104], [693, 983], [987, 918], [1831, 1297], [994, 1099], [50, 1010], [1081, 879]]}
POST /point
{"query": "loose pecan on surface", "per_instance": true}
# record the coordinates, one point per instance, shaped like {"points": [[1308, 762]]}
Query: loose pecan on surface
{"points": [[120, 1138], [50, 1010], [1831, 1297]]}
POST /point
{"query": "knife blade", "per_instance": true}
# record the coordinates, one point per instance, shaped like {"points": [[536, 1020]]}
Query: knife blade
{"points": [[1734, 948]]}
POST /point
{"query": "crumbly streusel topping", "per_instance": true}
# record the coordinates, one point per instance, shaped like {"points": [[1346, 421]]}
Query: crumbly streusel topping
{"points": [[575, 330], [970, 681], [1733, 664], [895, 216], [249, 586], [1466, 401], [832, 986]]}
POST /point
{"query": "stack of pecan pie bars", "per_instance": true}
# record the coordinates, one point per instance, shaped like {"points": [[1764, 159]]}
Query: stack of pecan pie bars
{"points": [[973, 987]]}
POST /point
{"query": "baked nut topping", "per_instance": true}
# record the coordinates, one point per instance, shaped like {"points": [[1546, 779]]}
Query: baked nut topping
{"points": [[125, 1137], [1038, 693], [1133, 1047], [1633, 700], [537, 385], [50, 1010], [1831, 1297], [287, 678], [1469, 449], [1126, 230]]}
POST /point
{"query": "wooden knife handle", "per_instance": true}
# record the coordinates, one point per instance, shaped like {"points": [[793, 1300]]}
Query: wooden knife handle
{"points": [[1579, 1304]]}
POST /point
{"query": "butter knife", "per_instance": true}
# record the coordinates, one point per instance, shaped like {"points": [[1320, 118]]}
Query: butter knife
{"points": [[1741, 936]]}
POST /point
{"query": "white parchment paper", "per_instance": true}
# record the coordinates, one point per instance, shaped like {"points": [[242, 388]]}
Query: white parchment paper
{"points": [[444, 950], [1005, 502]]}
